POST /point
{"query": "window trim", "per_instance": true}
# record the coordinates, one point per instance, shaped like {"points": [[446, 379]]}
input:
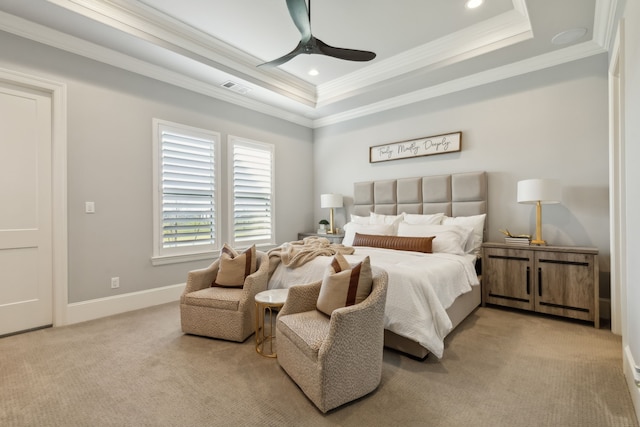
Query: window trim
{"points": [[232, 141], [161, 255]]}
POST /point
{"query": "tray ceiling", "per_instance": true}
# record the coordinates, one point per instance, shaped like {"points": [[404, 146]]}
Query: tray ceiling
{"points": [[424, 48]]}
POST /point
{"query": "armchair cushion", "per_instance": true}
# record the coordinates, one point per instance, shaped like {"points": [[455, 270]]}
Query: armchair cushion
{"points": [[216, 297], [315, 328], [344, 285], [234, 267]]}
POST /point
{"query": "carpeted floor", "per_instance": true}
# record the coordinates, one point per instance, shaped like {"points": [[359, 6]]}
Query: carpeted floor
{"points": [[500, 368]]}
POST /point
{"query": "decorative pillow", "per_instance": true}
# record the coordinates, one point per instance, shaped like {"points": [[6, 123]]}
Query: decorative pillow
{"points": [[344, 285], [476, 222], [415, 244], [424, 219], [448, 238], [360, 219], [351, 228], [234, 267]]}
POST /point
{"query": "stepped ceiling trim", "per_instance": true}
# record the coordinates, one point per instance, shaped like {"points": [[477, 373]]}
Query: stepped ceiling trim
{"points": [[285, 96]]}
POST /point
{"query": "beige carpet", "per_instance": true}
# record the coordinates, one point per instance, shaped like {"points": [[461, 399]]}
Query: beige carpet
{"points": [[500, 368]]}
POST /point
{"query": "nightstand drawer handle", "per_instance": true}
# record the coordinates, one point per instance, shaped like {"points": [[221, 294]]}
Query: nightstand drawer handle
{"points": [[539, 282], [528, 280]]}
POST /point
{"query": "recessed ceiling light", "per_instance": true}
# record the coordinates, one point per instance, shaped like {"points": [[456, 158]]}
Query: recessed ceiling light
{"points": [[472, 4], [569, 36], [313, 72]]}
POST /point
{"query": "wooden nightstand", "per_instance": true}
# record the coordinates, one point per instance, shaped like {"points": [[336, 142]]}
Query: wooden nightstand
{"points": [[333, 238], [557, 280]]}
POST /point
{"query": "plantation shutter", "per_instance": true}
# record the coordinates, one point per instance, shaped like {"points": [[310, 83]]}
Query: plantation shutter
{"points": [[188, 189], [252, 193]]}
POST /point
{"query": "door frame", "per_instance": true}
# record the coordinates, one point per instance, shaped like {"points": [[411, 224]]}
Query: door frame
{"points": [[617, 185], [58, 93]]}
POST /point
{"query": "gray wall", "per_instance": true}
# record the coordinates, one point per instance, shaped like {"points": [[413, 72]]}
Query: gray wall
{"points": [[549, 124], [109, 162], [552, 123]]}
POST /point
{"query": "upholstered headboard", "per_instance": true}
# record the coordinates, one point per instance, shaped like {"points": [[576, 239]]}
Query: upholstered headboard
{"points": [[460, 194]]}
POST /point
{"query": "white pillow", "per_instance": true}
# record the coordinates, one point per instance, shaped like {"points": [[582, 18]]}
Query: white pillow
{"points": [[351, 228], [450, 239], [376, 218], [387, 219], [424, 219], [476, 222], [361, 219]]}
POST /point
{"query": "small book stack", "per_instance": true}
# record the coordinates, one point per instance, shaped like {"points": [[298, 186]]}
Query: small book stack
{"points": [[517, 241]]}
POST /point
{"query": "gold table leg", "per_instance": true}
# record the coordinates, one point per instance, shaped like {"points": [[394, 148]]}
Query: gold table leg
{"points": [[262, 338]]}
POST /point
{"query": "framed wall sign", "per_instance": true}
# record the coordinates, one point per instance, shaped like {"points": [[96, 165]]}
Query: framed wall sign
{"points": [[438, 144]]}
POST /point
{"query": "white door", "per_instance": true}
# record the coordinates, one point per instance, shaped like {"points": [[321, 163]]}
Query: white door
{"points": [[26, 277]]}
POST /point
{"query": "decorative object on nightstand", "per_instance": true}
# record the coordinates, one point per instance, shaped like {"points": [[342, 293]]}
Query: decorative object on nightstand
{"points": [[518, 240], [538, 192], [322, 226], [331, 201]]}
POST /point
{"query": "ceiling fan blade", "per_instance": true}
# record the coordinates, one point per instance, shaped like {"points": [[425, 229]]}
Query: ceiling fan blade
{"points": [[300, 15], [279, 61], [341, 53], [311, 45]]}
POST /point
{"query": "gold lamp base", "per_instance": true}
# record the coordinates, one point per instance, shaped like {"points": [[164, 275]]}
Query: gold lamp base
{"points": [[538, 240], [331, 229]]}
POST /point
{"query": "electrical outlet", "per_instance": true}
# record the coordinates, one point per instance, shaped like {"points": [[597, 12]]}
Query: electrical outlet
{"points": [[115, 282]]}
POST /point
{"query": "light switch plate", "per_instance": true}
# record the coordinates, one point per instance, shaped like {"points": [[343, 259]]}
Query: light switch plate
{"points": [[89, 207]]}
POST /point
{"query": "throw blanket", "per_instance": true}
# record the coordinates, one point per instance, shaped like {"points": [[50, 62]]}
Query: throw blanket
{"points": [[297, 253]]}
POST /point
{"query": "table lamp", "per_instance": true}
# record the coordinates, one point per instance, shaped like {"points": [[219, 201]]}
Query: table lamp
{"points": [[331, 201], [538, 192]]}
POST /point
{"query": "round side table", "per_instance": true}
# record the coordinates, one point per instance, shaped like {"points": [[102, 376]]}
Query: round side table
{"points": [[267, 303]]}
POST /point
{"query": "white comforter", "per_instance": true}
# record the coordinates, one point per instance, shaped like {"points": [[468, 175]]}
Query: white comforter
{"points": [[421, 288]]}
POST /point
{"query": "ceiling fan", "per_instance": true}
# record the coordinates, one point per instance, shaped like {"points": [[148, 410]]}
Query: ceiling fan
{"points": [[309, 44]]}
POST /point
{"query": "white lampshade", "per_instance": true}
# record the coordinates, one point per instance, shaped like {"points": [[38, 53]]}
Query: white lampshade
{"points": [[545, 191], [331, 200]]}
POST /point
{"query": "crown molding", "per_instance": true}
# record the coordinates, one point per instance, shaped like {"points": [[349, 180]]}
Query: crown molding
{"points": [[149, 24], [604, 25], [540, 62], [507, 28], [41, 34], [485, 35], [478, 38], [157, 28]]}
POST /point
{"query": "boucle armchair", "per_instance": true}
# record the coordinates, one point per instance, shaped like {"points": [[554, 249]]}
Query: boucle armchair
{"points": [[335, 359], [218, 312]]}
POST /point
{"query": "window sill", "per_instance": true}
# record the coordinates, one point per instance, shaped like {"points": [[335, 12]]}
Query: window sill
{"points": [[176, 259], [199, 256]]}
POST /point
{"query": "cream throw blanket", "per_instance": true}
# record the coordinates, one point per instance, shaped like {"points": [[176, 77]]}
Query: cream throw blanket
{"points": [[297, 253]]}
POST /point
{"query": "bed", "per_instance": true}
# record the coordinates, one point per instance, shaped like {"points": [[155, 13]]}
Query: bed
{"points": [[429, 294]]}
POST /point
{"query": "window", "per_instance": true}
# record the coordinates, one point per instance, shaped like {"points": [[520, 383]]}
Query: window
{"points": [[252, 196], [186, 183]]}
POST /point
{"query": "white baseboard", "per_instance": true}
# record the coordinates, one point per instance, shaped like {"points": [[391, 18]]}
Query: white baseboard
{"points": [[102, 307], [632, 376]]}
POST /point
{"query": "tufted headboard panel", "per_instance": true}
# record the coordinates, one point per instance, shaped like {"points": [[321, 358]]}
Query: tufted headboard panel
{"points": [[460, 194]]}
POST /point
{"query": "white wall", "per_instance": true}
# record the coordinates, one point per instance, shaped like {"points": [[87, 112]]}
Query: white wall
{"points": [[631, 325], [109, 162], [548, 124]]}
